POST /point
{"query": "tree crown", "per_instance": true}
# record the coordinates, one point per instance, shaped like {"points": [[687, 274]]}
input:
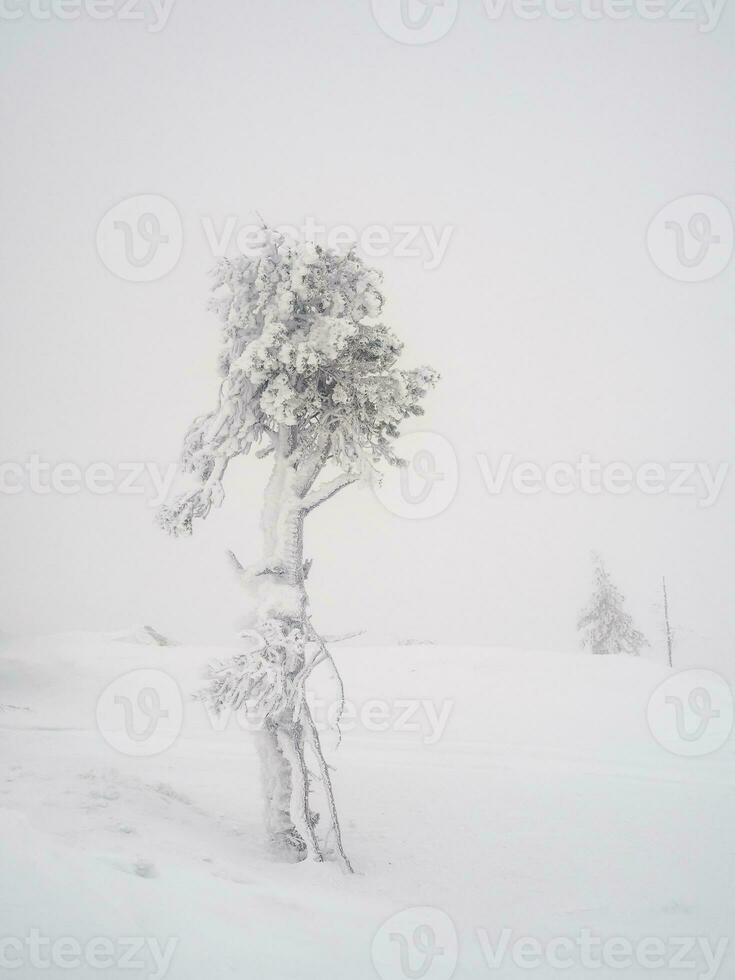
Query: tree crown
{"points": [[303, 356]]}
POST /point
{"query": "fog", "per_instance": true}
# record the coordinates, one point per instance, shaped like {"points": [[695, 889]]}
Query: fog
{"points": [[527, 159]]}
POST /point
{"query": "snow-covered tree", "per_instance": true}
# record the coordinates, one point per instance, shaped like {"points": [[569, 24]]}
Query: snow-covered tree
{"points": [[604, 624], [310, 378]]}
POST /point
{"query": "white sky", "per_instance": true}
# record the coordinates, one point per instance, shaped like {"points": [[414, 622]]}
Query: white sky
{"points": [[548, 146]]}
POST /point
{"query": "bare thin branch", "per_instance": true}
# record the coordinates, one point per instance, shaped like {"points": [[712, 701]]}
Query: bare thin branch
{"points": [[339, 637]]}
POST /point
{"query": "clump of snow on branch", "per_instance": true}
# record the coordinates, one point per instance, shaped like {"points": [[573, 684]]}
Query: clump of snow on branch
{"points": [[605, 626], [269, 679], [302, 347], [261, 680]]}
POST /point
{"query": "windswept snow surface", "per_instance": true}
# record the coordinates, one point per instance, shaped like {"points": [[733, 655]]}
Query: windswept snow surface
{"points": [[492, 789]]}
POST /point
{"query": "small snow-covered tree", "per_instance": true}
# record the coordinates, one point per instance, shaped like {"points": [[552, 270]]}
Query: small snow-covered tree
{"points": [[604, 624], [310, 378]]}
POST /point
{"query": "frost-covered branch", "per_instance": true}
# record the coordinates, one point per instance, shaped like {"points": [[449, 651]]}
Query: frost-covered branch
{"points": [[322, 493]]}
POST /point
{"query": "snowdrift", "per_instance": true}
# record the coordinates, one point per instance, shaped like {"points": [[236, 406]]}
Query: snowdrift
{"points": [[505, 790]]}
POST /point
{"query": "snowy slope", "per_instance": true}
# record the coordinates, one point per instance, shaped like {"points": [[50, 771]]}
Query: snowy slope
{"points": [[509, 790]]}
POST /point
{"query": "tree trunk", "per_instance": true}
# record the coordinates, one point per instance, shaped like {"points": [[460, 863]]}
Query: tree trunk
{"points": [[281, 591], [281, 595], [275, 774], [669, 640], [282, 618]]}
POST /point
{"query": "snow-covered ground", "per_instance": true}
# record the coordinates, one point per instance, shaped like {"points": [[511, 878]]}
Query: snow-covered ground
{"points": [[498, 792]]}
